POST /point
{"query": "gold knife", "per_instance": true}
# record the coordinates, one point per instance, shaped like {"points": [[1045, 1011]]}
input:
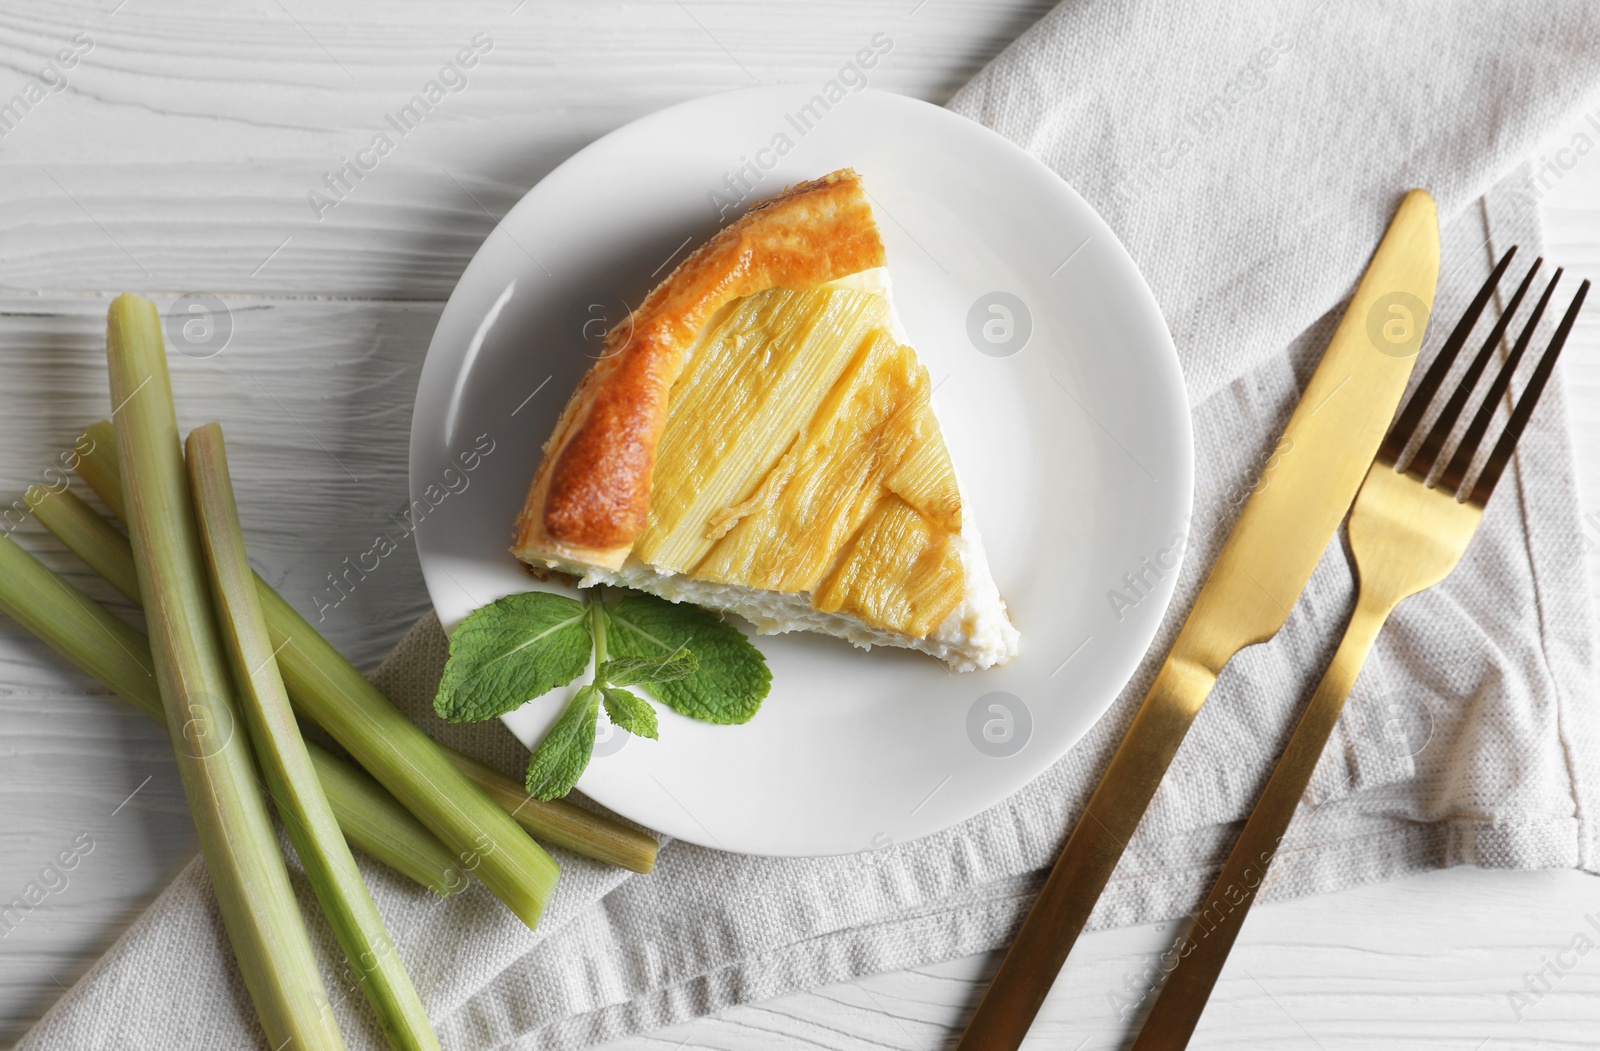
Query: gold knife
{"points": [[1280, 535]]}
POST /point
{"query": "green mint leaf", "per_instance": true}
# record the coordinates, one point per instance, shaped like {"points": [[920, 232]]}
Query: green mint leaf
{"points": [[510, 652], [559, 760], [630, 712], [732, 677], [635, 671]]}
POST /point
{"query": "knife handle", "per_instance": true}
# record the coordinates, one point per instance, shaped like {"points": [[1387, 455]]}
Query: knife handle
{"points": [[1182, 999], [1092, 851]]}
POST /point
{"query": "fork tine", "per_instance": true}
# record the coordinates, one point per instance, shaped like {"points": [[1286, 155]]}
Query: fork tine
{"points": [[1428, 453], [1455, 471], [1496, 464], [1394, 443]]}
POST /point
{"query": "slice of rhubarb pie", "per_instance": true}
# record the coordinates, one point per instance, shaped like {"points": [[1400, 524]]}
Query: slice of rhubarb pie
{"points": [[759, 438]]}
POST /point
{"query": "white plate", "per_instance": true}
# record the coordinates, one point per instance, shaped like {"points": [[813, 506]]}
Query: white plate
{"points": [[1074, 449]]}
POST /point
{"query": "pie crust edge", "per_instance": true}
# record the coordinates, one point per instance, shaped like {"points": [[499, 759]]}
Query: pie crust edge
{"points": [[590, 495]]}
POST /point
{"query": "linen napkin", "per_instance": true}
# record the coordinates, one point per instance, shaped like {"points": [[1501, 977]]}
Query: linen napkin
{"points": [[1250, 163]]}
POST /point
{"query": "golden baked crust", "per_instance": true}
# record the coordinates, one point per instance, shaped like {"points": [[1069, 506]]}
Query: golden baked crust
{"points": [[591, 493]]}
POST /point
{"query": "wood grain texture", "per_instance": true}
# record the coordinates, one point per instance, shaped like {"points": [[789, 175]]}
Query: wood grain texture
{"points": [[179, 158], [183, 151]]}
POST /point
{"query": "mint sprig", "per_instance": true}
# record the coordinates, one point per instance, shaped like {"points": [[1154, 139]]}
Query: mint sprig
{"points": [[521, 647], [731, 678], [629, 711], [631, 671], [558, 762], [511, 651]]}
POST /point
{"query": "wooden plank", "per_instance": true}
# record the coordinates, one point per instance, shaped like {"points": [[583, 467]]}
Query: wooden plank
{"points": [[167, 165]]}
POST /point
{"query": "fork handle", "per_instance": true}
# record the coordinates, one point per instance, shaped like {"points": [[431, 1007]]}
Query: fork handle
{"points": [[1198, 960]]}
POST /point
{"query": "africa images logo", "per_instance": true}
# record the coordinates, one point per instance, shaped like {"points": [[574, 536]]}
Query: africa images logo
{"points": [[49, 79], [740, 183], [450, 80]]}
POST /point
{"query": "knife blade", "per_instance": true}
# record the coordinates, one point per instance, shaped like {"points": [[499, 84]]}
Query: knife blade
{"points": [[1279, 537]]}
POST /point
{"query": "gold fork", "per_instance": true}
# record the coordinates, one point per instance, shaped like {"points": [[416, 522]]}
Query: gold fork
{"points": [[1407, 534]]}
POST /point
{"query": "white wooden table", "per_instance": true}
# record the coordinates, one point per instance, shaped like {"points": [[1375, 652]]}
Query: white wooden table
{"points": [[178, 157]]}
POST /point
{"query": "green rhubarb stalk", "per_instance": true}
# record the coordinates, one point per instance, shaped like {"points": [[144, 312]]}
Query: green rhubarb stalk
{"points": [[285, 764], [117, 656], [78, 628], [101, 468], [87, 534], [333, 694], [556, 822], [374, 823], [328, 690], [247, 870], [560, 823]]}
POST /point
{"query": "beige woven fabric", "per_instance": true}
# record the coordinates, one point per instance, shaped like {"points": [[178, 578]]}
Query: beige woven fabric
{"points": [[1469, 738]]}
